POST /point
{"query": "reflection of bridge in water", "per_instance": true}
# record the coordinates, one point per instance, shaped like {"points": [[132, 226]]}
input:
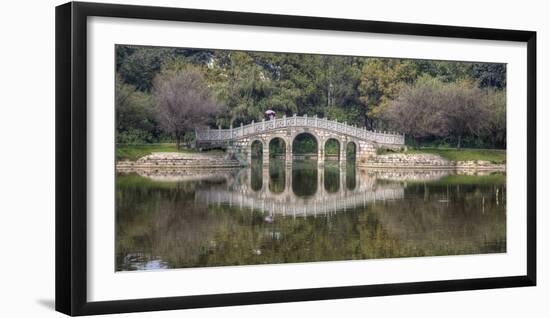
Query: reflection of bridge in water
{"points": [[297, 191]]}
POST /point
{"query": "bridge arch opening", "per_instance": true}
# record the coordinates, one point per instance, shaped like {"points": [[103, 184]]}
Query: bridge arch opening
{"points": [[351, 151], [277, 176], [351, 176], [277, 148], [256, 176], [332, 149], [256, 149], [305, 146]]}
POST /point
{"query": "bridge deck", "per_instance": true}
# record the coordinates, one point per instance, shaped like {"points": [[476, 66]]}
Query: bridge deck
{"points": [[224, 135]]}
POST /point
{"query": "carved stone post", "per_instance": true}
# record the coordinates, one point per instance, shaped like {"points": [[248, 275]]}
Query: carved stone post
{"points": [[288, 151], [249, 153], [321, 182], [321, 151], [343, 188], [288, 179], [265, 155], [265, 180]]}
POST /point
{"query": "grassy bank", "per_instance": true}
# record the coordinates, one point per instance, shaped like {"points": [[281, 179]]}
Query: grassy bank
{"points": [[134, 152], [492, 155]]}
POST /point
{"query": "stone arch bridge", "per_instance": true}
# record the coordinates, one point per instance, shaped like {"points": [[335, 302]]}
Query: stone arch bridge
{"points": [[240, 140]]}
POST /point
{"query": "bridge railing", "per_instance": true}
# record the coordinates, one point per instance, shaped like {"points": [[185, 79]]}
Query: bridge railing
{"points": [[299, 121], [273, 206]]}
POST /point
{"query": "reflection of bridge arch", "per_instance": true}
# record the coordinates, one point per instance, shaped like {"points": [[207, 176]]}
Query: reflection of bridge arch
{"points": [[333, 178], [236, 189], [348, 179], [275, 185], [288, 203]]}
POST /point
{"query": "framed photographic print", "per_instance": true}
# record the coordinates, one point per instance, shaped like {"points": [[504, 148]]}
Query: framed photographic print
{"points": [[208, 158]]}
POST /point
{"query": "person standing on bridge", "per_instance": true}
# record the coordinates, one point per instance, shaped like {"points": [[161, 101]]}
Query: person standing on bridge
{"points": [[270, 114]]}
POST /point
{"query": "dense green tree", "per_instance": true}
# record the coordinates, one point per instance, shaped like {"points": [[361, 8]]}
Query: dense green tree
{"points": [[380, 83], [241, 84], [140, 68], [445, 71], [135, 120], [490, 74], [495, 125], [356, 90]]}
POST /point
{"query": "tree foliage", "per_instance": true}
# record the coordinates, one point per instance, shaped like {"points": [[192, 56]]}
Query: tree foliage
{"points": [[376, 93], [183, 100], [432, 108], [135, 120], [380, 83], [417, 110]]}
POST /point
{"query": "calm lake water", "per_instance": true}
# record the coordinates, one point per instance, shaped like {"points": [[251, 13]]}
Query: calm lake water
{"points": [[302, 213]]}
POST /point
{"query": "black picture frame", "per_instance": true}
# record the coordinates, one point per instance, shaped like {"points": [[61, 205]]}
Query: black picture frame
{"points": [[71, 157]]}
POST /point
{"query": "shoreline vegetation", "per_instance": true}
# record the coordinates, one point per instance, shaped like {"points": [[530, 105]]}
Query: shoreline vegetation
{"points": [[168, 93], [127, 156]]}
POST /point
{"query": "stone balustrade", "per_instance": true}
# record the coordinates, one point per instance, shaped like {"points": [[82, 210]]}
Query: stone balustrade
{"points": [[220, 135]]}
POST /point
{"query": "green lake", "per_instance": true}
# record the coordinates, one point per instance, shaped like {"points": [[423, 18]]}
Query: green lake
{"points": [[300, 212]]}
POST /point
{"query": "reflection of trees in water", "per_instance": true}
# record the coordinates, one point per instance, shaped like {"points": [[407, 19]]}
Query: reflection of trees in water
{"points": [[304, 177], [256, 149], [277, 176], [351, 175], [256, 178], [447, 219], [332, 177], [351, 151], [164, 220]]}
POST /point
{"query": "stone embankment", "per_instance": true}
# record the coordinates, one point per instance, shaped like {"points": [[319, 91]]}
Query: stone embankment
{"points": [[190, 161], [428, 161], [178, 161]]}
